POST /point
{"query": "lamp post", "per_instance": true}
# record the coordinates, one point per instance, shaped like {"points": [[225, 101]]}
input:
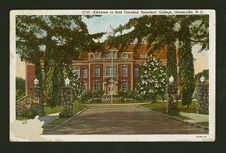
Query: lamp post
{"points": [[111, 33], [171, 94], [66, 82], [42, 49], [202, 79], [36, 82]]}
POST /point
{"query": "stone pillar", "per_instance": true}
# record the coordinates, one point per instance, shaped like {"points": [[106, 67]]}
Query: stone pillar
{"points": [[202, 98], [66, 102], [37, 98], [171, 101]]}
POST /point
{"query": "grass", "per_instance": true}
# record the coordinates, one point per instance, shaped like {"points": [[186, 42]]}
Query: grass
{"points": [[48, 110], [190, 109], [158, 106], [206, 124], [54, 123], [182, 117], [77, 107], [21, 118]]}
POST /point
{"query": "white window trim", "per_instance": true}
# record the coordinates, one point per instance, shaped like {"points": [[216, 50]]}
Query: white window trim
{"points": [[95, 71], [77, 71], [84, 73], [127, 55], [96, 82], [126, 83], [97, 54], [136, 71], [109, 57], [126, 68]]}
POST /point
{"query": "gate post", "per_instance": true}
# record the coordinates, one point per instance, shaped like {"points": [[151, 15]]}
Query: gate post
{"points": [[171, 95], [37, 98], [202, 96], [66, 102]]}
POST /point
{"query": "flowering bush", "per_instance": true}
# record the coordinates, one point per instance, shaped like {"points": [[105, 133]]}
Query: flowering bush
{"points": [[152, 81]]}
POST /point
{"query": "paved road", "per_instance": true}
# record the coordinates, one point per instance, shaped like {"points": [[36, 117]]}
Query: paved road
{"points": [[124, 119]]}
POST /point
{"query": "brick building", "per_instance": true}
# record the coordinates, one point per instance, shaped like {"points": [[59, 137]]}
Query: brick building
{"points": [[96, 71]]}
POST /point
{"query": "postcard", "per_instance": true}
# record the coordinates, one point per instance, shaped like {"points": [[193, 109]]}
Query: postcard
{"points": [[112, 75]]}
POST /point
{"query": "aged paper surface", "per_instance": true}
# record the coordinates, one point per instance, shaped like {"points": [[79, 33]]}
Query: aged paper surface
{"points": [[31, 130]]}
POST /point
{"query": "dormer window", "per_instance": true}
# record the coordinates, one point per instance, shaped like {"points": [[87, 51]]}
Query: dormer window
{"points": [[114, 55], [144, 55], [107, 55], [97, 55], [124, 55]]}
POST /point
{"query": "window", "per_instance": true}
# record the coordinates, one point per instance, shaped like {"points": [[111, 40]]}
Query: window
{"points": [[107, 55], [108, 71], [85, 72], [96, 85], [125, 85], [136, 72], [97, 55], [125, 71], [76, 70], [124, 55], [114, 55], [97, 71], [143, 55], [111, 71], [85, 86]]}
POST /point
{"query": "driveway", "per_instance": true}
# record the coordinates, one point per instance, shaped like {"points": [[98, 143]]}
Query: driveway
{"points": [[124, 119]]}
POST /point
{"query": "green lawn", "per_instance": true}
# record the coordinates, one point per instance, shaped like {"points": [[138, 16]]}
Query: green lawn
{"points": [[76, 108], [206, 124], [160, 106], [48, 110], [54, 123], [182, 117]]}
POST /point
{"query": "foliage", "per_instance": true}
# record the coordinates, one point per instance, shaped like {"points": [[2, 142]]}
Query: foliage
{"points": [[171, 61], [204, 73], [160, 31], [127, 95], [186, 73], [20, 88], [49, 110], [77, 107], [75, 82], [54, 123], [152, 81], [64, 38], [28, 113], [160, 106], [92, 97]]}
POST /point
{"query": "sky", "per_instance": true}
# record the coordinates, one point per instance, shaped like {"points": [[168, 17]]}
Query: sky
{"points": [[101, 24]]}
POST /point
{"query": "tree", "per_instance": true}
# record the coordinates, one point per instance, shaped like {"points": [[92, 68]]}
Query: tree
{"points": [[64, 37], [20, 88], [163, 31], [171, 61], [186, 73], [152, 81], [204, 73], [75, 82]]}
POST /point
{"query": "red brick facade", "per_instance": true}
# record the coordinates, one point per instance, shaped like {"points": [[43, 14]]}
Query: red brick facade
{"points": [[30, 76], [130, 61]]}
